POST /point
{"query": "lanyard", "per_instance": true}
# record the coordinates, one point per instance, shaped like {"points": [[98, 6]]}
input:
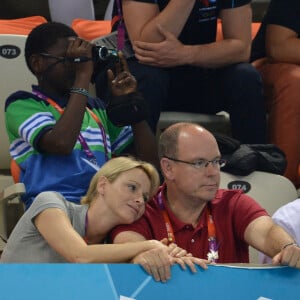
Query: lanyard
{"points": [[212, 254], [91, 157], [169, 227], [120, 28]]}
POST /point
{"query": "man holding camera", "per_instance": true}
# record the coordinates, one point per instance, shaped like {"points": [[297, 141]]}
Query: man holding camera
{"points": [[60, 135]]}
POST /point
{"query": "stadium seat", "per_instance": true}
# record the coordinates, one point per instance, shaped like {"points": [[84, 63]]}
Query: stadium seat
{"points": [[215, 123], [15, 75], [68, 10], [21, 26], [271, 191]]}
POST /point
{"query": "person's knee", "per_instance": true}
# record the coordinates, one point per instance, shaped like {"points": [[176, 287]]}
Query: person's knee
{"points": [[149, 77], [153, 83], [246, 75], [243, 84]]}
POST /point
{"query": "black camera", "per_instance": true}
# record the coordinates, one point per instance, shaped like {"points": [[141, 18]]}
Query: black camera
{"points": [[101, 53]]}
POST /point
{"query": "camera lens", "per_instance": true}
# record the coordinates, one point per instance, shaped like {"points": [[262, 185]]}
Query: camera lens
{"points": [[99, 53]]}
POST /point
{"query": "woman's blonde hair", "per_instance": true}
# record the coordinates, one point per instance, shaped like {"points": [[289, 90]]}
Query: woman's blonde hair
{"points": [[116, 166]]}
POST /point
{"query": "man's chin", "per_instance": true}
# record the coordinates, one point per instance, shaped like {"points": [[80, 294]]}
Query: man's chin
{"points": [[209, 194]]}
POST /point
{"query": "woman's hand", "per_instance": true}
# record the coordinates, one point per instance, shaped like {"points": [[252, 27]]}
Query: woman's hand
{"points": [[158, 260], [176, 251], [191, 262], [183, 258]]}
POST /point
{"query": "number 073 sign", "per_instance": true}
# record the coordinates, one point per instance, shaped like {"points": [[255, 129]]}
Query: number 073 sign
{"points": [[9, 51]]}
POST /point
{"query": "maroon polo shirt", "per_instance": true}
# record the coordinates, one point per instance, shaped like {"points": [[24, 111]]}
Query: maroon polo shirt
{"points": [[232, 212]]}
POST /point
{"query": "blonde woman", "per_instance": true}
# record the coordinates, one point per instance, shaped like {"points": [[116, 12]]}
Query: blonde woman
{"points": [[56, 230]]}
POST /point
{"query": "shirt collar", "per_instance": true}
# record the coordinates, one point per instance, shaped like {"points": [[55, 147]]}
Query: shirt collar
{"points": [[176, 223], [61, 102]]}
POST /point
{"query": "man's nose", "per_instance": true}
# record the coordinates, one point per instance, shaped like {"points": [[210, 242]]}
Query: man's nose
{"points": [[210, 168]]}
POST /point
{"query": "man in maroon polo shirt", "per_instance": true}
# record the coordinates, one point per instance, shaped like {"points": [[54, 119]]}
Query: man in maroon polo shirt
{"points": [[191, 211]]}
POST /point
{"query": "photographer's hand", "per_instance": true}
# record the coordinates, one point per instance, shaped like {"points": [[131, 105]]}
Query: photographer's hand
{"points": [[80, 48], [123, 82]]}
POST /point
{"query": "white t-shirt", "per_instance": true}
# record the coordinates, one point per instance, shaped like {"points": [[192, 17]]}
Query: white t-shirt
{"points": [[288, 217]]}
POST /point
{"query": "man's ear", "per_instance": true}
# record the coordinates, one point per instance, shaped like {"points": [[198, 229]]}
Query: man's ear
{"points": [[37, 63], [166, 168]]}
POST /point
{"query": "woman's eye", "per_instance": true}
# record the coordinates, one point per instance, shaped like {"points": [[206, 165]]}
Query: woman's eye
{"points": [[145, 198], [132, 187]]}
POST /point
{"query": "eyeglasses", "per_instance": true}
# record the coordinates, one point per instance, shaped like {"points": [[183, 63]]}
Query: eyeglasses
{"points": [[60, 58], [66, 59], [201, 163]]}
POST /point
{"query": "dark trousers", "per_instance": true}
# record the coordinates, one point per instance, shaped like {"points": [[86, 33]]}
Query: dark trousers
{"points": [[236, 89], [153, 83]]}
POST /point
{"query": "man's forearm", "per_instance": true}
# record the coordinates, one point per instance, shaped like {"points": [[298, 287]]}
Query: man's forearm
{"points": [[218, 54], [276, 240]]}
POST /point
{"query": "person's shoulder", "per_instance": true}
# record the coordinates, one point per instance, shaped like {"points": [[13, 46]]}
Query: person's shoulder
{"points": [[152, 207], [226, 194], [289, 209], [50, 199], [287, 216], [232, 198], [20, 95], [294, 204]]}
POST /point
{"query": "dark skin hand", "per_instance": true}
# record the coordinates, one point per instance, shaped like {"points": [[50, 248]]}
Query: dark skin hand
{"points": [[123, 82]]}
